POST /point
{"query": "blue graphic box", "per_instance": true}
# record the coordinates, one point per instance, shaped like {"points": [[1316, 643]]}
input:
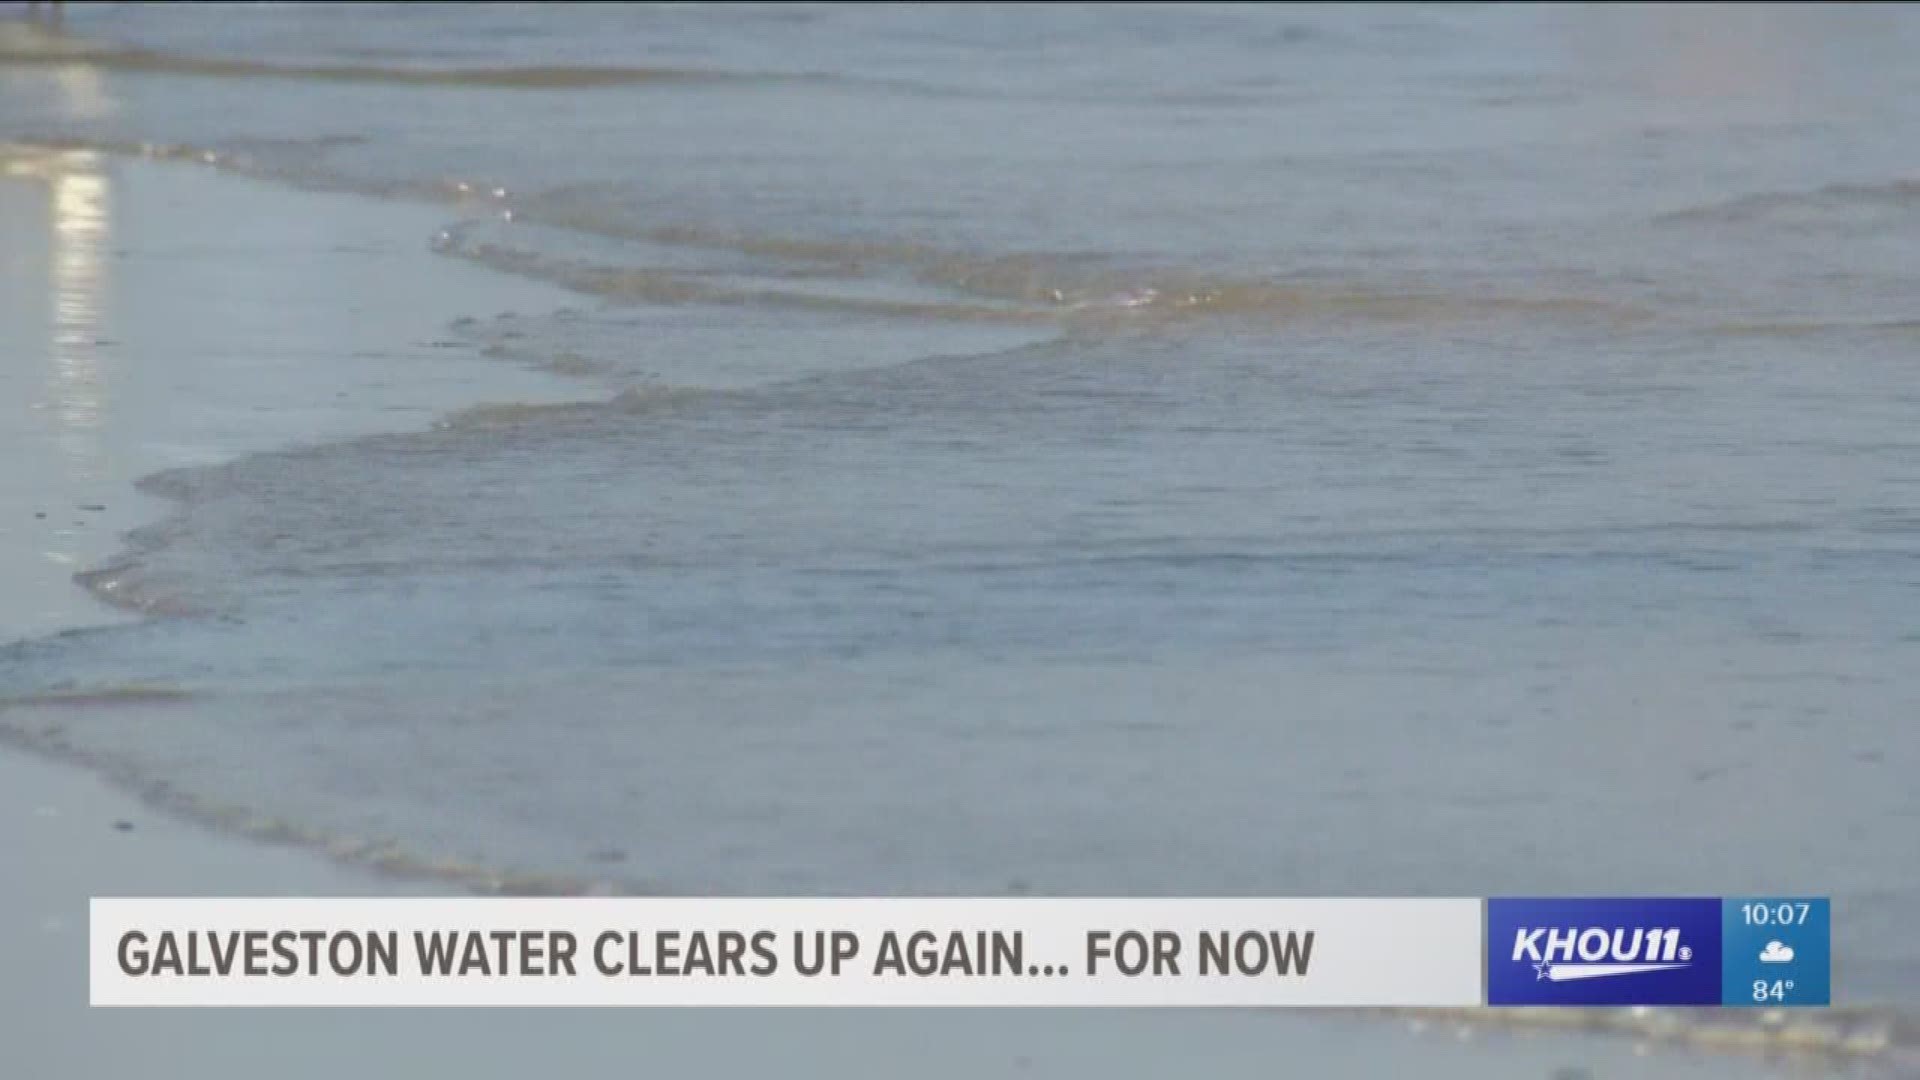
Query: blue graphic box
{"points": [[1590, 951], [1778, 951]]}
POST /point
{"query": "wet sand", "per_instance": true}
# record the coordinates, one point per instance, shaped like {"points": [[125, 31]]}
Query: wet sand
{"points": [[158, 315]]}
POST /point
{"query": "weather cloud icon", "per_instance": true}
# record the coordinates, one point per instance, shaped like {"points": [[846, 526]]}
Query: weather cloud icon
{"points": [[1776, 953]]}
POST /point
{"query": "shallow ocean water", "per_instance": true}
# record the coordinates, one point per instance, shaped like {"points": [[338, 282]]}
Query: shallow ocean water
{"points": [[1308, 451]]}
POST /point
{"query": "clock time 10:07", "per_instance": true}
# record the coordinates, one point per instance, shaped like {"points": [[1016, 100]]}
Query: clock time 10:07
{"points": [[1781, 914]]}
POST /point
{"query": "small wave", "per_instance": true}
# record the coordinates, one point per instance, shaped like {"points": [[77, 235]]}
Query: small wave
{"points": [[504, 414], [53, 52], [299, 163], [101, 697], [663, 286], [1074, 289], [376, 854], [509, 414], [1071, 289], [1792, 329], [36, 46], [1179, 294], [123, 586], [1900, 194], [1075, 282]]}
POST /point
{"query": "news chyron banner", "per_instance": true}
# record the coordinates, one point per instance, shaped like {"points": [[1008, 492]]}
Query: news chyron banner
{"points": [[786, 952], [996, 952]]}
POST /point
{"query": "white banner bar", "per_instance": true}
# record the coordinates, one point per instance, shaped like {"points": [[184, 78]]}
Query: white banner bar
{"points": [[785, 952]]}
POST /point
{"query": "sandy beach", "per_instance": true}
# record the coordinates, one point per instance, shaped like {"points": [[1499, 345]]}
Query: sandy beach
{"points": [[159, 314]]}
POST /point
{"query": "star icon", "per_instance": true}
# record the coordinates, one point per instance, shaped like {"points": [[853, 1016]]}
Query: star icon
{"points": [[1540, 971]]}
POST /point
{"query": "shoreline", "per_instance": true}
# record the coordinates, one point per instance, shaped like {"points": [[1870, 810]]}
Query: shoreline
{"points": [[223, 398], [102, 419], [103, 211]]}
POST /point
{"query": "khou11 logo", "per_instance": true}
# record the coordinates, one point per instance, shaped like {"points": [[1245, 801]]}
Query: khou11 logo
{"points": [[1594, 951]]}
